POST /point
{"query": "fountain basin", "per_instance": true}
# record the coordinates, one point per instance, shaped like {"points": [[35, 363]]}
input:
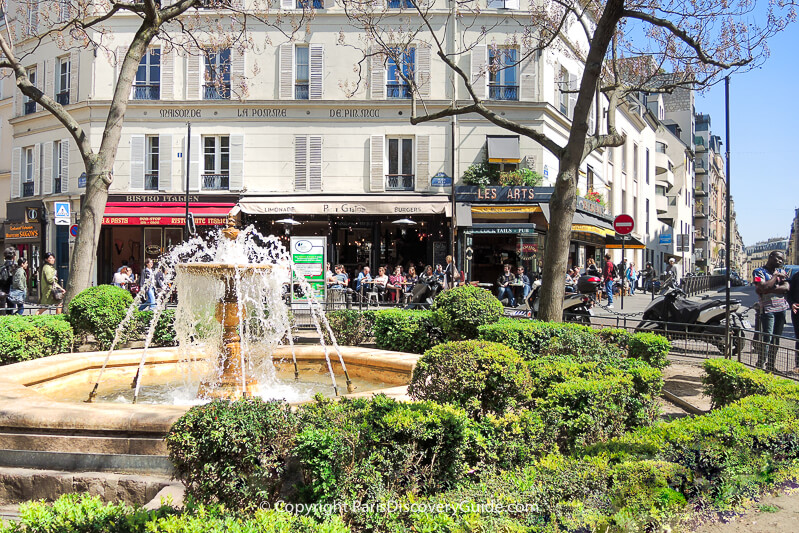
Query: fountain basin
{"points": [[38, 430]]}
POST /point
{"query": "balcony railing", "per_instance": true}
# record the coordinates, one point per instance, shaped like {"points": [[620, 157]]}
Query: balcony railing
{"points": [[398, 4], [305, 4], [399, 182], [216, 182], [216, 92], [57, 186], [62, 97], [398, 90], [301, 91], [146, 92], [503, 92], [27, 188], [29, 107], [151, 182]]}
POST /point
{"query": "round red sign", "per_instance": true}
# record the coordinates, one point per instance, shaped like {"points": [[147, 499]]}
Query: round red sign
{"points": [[623, 224]]}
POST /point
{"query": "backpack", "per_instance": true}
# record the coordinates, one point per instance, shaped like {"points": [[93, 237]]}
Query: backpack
{"points": [[5, 275]]}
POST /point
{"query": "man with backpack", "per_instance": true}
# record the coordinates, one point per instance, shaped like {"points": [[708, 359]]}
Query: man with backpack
{"points": [[6, 277], [609, 274]]}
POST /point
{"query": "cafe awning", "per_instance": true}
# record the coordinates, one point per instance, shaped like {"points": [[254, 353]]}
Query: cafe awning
{"points": [[613, 242], [119, 213], [503, 148], [584, 223], [372, 204]]}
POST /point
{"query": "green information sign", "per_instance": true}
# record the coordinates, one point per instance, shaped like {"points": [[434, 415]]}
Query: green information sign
{"points": [[308, 256]]}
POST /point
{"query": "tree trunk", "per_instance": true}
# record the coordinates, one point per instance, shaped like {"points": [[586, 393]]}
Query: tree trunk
{"points": [[562, 206], [84, 254]]}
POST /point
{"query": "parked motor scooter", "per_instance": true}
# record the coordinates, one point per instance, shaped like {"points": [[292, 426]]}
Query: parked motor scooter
{"points": [[672, 311], [423, 293], [577, 306]]}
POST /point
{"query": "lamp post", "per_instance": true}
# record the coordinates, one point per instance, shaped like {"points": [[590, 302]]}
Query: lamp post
{"points": [[727, 253]]}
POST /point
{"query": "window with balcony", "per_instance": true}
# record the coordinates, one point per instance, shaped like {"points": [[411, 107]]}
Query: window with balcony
{"points": [[216, 163], [152, 164], [400, 175], [58, 158], [302, 73], [147, 85], [503, 78], [28, 169], [400, 4], [62, 80], [310, 4], [396, 75], [217, 75], [28, 105]]}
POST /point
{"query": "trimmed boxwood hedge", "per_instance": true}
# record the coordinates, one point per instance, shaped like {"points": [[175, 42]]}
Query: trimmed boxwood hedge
{"points": [[458, 312], [727, 381], [98, 311], [350, 326], [26, 337], [405, 330]]}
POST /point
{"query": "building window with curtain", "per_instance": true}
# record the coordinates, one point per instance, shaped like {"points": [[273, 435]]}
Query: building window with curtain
{"points": [[503, 76], [62, 80], [152, 163], [216, 163], [27, 169], [400, 175], [302, 73], [28, 105], [217, 75], [147, 85], [58, 146], [396, 85]]}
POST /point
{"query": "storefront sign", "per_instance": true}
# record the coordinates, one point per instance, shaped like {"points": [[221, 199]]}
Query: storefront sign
{"points": [[665, 238], [503, 195], [501, 229], [355, 113], [161, 198], [308, 256], [258, 112], [376, 205], [179, 112], [590, 206], [28, 232], [161, 221]]}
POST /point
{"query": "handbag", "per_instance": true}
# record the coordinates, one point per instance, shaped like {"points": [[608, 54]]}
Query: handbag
{"points": [[16, 297], [58, 292]]}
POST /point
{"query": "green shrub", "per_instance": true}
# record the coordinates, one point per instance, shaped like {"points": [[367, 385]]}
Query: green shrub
{"points": [[351, 327], [405, 330], [727, 381], [527, 337], [481, 377], [26, 337], [581, 345], [164, 334], [649, 347], [617, 336], [460, 311], [233, 452], [509, 441], [98, 311]]}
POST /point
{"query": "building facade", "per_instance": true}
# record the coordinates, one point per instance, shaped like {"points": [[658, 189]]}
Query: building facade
{"points": [[757, 254]]}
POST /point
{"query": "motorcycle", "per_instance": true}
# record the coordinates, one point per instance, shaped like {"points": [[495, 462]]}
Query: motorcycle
{"points": [[423, 293], [577, 306], [672, 307]]}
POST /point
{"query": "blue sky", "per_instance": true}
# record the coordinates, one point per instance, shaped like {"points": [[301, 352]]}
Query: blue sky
{"points": [[764, 135]]}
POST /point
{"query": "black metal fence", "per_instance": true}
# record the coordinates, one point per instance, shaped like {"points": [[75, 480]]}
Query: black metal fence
{"points": [[692, 285]]}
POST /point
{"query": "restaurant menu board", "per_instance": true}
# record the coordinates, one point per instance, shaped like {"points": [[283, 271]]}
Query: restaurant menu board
{"points": [[308, 256]]}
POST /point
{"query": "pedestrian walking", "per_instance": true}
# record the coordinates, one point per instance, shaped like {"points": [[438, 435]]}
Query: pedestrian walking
{"points": [[148, 284], [451, 274], [6, 277], [649, 277], [632, 278], [19, 286], [609, 275], [771, 286], [51, 292], [674, 272]]}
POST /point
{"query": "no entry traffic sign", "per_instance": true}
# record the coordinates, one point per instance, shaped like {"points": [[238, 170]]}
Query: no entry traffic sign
{"points": [[623, 224]]}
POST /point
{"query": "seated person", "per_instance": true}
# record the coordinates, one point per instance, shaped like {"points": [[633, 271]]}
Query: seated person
{"points": [[525, 281], [503, 286], [381, 281], [330, 278], [364, 275], [341, 279], [395, 282], [412, 279], [571, 285], [440, 274]]}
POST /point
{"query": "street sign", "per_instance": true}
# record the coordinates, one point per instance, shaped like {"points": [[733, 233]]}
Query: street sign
{"points": [[62, 217], [620, 237], [73, 230], [623, 224], [665, 238], [82, 180]]}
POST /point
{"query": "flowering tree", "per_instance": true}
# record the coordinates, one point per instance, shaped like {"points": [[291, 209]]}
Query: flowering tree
{"points": [[622, 47]]}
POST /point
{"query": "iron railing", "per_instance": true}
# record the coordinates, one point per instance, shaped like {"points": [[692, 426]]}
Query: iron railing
{"points": [[503, 92], [27, 189], [398, 90], [301, 91], [399, 182], [146, 92], [29, 107], [151, 181], [216, 182], [57, 186], [216, 92], [62, 97]]}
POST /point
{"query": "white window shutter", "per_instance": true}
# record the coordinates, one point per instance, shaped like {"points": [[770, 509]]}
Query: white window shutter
{"points": [[315, 163], [286, 52], [41, 76], [37, 169], [529, 76], [47, 171], [511, 4], [193, 74], [167, 80], [236, 178], [573, 86], [329, 4], [64, 165], [317, 69], [377, 64], [74, 76], [423, 70], [287, 4], [16, 165], [17, 102], [165, 150], [300, 163], [237, 82], [422, 162], [137, 155], [194, 164], [121, 52], [479, 79], [377, 177], [50, 67], [591, 120]]}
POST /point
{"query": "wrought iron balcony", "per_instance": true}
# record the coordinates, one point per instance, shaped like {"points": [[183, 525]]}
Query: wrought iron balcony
{"points": [[399, 4], [398, 90], [62, 98], [29, 107], [503, 92], [399, 182], [301, 91], [305, 4], [27, 188], [151, 182], [57, 186], [216, 182], [146, 92], [216, 92]]}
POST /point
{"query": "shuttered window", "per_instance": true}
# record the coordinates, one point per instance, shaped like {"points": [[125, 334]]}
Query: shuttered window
{"points": [[308, 163]]}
